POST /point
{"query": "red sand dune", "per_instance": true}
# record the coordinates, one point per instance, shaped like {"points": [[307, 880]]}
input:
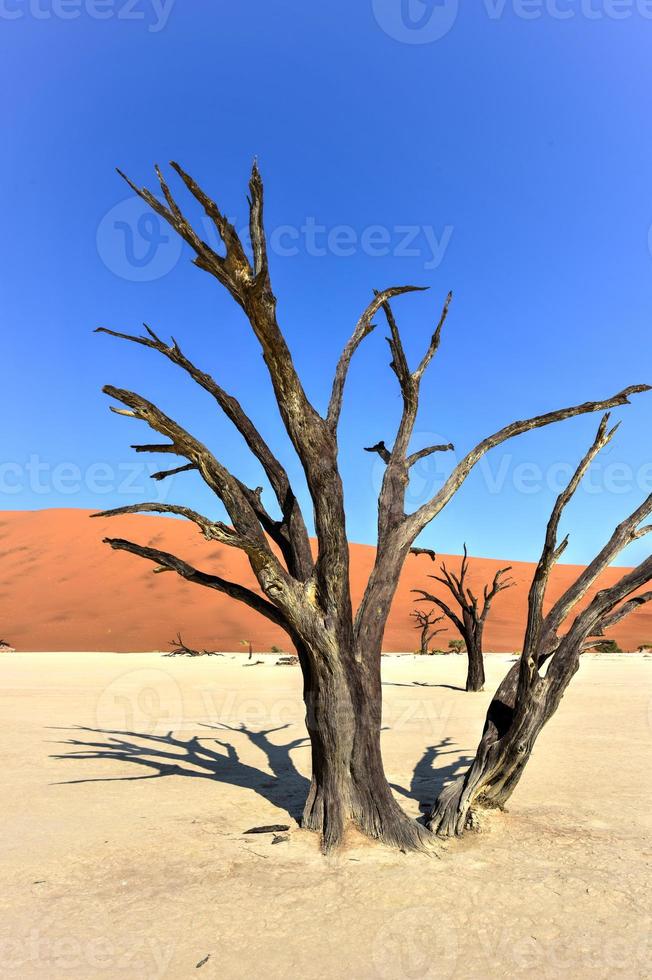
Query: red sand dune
{"points": [[62, 589]]}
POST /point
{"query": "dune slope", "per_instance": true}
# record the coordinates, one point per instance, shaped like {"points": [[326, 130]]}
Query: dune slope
{"points": [[62, 589]]}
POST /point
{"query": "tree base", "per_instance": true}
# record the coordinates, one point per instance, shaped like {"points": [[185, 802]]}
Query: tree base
{"points": [[385, 822]]}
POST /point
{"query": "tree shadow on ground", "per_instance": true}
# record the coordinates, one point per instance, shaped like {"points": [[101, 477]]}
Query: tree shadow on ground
{"points": [[428, 781], [170, 755]]}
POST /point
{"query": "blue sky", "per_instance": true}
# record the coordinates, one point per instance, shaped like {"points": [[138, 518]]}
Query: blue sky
{"points": [[503, 156]]}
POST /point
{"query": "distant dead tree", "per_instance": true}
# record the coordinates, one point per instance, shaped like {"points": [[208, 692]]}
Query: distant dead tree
{"points": [[424, 622], [472, 616], [530, 693], [309, 598], [250, 647], [179, 649]]}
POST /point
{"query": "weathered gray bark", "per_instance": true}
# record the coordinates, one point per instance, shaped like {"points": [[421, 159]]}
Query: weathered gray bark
{"points": [[348, 784], [531, 692], [310, 598]]}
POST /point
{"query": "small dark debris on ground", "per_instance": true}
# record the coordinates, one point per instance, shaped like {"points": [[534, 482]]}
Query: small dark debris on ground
{"points": [[274, 828]]}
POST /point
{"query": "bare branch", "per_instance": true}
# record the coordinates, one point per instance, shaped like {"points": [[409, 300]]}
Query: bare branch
{"points": [[418, 520], [309, 433], [211, 530], [164, 559], [446, 609], [436, 339], [600, 610], [552, 552], [264, 562], [162, 448], [236, 260], [621, 612], [427, 618], [428, 451], [295, 541], [382, 451], [256, 227], [499, 585], [363, 328], [425, 621], [207, 258], [399, 364], [626, 532], [164, 474], [424, 551], [456, 585]]}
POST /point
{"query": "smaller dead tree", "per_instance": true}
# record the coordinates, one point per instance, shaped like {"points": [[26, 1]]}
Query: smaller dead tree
{"points": [[472, 616], [180, 649], [250, 647], [425, 622], [531, 691]]}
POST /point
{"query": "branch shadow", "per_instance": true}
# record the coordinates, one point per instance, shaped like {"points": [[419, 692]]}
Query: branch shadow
{"points": [[428, 779], [448, 687], [169, 755]]}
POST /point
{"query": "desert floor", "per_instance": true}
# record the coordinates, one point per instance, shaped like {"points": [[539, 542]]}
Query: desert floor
{"points": [[128, 781]]}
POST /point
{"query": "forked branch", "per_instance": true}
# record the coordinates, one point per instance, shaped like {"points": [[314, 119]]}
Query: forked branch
{"points": [[293, 536], [425, 514]]}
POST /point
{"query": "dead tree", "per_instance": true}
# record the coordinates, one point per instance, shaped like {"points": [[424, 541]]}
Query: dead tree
{"points": [[424, 622], [180, 649], [530, 693], [471, 620], [339, 651], [250, 647]]}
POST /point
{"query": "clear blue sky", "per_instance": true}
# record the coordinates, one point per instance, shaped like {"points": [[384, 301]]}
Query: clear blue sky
{"points": [[516, 151]]}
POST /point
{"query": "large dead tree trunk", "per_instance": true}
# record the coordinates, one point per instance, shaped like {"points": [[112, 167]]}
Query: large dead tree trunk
{"points": [[531, 692], [470, 620], [309, 598], [348, 780]]}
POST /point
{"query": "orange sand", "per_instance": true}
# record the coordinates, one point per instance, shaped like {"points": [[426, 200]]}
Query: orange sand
{"points": [[62, 589]]}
